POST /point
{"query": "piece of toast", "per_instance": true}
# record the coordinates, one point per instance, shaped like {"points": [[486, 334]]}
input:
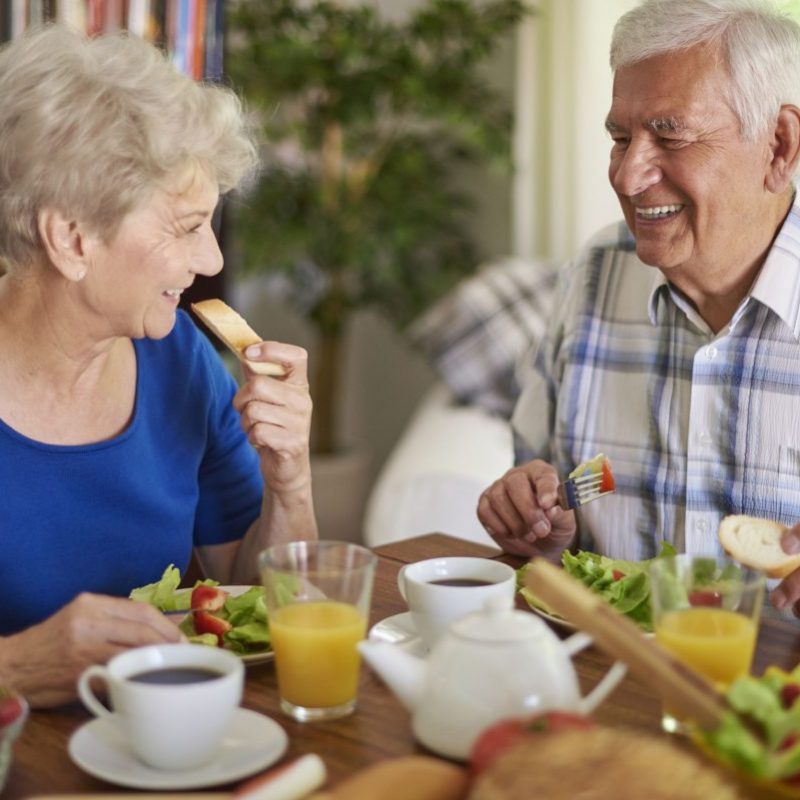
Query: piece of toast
{"points": [[756, 543], [233, 331]]}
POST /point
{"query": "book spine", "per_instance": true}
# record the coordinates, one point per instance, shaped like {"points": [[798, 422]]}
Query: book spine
{"points": [[214, 38]]}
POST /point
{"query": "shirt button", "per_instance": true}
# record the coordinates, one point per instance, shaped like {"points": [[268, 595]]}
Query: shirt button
{"points": [[711, 352], [705, 439], [701, 525]]}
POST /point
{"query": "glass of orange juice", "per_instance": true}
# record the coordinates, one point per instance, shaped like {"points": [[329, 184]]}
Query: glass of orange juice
{"points": [[706, 611], [318, 598]]}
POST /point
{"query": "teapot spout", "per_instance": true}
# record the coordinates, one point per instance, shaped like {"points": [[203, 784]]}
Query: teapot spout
{"points": [[402, 672]]}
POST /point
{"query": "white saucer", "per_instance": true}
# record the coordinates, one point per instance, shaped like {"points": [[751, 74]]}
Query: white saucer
{"points": [[253, 743], [399, 630]]}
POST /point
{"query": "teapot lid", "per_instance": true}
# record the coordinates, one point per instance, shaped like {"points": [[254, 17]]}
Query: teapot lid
{"points": [[499, 622]]}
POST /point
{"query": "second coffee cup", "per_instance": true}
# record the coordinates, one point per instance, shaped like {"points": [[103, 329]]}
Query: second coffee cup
{"points": [[173, 703], [440, 590]]}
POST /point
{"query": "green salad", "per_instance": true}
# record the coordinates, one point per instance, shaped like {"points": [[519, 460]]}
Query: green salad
{"points": [[624, 584], [213, 616], [763, 738]]}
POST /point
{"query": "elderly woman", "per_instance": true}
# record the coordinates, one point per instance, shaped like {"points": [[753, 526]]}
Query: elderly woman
{"points": [[124, 443]]}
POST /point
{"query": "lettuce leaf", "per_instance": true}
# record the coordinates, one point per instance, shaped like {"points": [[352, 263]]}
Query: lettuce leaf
{"points": [[624, 584], [247, 612]]}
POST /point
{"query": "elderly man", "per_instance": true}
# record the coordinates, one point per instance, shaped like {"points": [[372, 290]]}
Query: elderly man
{"points": [[674, 347]]}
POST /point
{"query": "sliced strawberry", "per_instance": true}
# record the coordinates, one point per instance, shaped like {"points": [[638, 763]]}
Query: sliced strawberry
{"points": [[790, 740], [607, 481], [789, 693], [208, 598], [206, 622], [617, 575], [10, 707], [705, 598]]}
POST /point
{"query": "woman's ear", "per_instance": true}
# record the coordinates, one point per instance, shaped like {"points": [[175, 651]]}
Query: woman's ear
{"points": [[64, 243], [785, 149]]}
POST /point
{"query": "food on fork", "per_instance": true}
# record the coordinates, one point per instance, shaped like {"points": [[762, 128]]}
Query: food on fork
{"points": [[233, 331], [588, 481], [756, 543]]}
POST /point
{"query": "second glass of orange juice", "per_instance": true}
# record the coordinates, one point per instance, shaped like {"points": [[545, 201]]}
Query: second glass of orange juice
{"points": [[706, 611], [318, 597]]}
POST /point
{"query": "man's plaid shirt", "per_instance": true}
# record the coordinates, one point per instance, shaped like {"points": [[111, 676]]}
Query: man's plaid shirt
{"points": [[696, 425]]}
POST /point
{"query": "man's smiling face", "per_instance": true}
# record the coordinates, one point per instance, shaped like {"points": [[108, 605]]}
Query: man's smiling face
{"points": [[691, 189]]}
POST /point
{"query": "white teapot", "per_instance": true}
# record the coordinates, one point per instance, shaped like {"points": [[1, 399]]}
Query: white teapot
{"points": [[489, 665]]}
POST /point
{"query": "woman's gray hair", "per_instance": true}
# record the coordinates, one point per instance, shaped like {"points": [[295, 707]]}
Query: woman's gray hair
{"points": [[92, 127], [759, 44]]}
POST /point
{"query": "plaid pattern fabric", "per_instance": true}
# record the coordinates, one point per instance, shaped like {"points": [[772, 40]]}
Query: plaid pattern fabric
{"points": [[696, 425], [478, 332]]}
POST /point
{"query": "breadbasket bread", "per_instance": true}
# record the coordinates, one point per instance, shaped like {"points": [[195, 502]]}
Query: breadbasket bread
{"points": [[756, 543], [600, 764], [234, 332]]}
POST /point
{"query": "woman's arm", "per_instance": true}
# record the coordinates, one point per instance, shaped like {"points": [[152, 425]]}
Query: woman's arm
{"points": [[276, 417], [44, 661]]}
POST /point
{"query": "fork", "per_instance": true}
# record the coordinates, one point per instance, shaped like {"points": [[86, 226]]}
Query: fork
{"points": [[581, 489]]}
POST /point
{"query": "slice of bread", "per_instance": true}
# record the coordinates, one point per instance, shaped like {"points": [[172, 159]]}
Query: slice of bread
{"points": [[234, 331], [756, 543]]}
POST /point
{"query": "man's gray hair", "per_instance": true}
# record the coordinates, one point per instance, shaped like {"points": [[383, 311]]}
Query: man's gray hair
{"points": [[759, 44]]}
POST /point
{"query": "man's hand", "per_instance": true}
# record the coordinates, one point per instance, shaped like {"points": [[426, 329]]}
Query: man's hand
{"points": [[44, 662], [787, 592], [521, 512]]}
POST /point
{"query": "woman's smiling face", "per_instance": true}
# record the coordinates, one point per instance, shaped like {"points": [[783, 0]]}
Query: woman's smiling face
{"points": [[136, 280], [691, 189]]}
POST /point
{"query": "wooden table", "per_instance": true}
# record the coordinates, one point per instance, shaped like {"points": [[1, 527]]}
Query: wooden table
{"points": [[380, 728]]}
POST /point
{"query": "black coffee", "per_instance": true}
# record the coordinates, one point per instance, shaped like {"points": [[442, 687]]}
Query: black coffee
{"points": [[174, 676], [461, 582]]}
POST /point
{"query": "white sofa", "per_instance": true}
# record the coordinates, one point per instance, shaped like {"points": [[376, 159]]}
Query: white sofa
{"points": [[459, 439], [448, 454]]}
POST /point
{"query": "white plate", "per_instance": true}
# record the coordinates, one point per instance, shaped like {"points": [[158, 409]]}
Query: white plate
{"points": [[564, 623], [248, 658], [399, 630], [254, 742]]}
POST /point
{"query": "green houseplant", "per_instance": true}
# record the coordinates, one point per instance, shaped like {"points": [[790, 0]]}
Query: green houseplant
{"points": [[367, 123]]}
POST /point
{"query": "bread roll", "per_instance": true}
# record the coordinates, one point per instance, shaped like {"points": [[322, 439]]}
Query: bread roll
{"points": [[404, 778], [756, 543], [600, 764], [234, 331]]}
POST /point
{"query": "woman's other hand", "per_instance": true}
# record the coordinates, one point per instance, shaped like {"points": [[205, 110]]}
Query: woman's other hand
{"points": [[44, 662]]}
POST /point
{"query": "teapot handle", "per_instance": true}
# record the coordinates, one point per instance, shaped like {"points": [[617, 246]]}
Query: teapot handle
{"points": [[586, 705]]}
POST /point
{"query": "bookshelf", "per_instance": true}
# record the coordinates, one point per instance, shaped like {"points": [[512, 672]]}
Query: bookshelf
{"points": [[191, 32]]}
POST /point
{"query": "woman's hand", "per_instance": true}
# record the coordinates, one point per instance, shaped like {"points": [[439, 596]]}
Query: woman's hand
{"points": [[276, 416], [44, 662], [520, 512]]}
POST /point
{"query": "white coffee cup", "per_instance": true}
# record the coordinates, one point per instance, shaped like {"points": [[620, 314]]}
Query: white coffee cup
{"points": [[440, 590], [173, 703]]}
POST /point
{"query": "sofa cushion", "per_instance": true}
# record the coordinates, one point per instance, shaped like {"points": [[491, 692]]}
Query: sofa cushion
{"points": [[477, 333]]}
